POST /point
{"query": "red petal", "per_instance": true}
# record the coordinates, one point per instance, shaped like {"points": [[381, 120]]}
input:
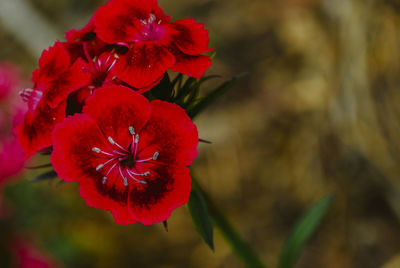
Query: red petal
{"points": [[82, 34], [194, 66], [170, 132], [118, 20], [117, 108], [53, 61], [190, 37], [74, 160], [145, 63], [155, 201], [35, 132], [57, 90]]}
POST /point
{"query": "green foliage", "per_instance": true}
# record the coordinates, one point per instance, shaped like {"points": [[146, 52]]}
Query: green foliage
{"points": [[200, 104], [201, 219], [162, 91], [302, 232], [185, 93], [51, 174]]}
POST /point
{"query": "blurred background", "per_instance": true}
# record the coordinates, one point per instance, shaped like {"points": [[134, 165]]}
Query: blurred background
{"points": [[318, 113]]}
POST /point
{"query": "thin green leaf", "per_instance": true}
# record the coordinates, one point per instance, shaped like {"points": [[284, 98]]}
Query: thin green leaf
{"points": [[207, 100], [239, 246], [201, 219], [184, 90], [302, 232], [45, 176]]}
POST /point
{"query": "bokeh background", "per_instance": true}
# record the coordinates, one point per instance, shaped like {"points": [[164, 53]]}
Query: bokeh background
{"points": [[317, 113]]}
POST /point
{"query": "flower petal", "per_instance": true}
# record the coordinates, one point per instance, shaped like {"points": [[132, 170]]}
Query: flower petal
{"points": [[189, 36], [194, 66], [171, 133], [74, 160], [168, 188], [61, 86], [119, 20], [53, 61], [143, 64], [35, 132], [115, 109], [84, 34]]}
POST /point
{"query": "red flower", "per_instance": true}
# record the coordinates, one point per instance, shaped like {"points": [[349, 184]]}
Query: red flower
{"points": [[128, 154], [154, 44], [54, 80]]}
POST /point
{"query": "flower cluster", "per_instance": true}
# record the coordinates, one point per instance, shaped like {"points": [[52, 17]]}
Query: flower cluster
{"points": [[129, 154]]}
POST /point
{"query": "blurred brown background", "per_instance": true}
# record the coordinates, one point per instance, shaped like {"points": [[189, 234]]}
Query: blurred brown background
{"points": [[318, 113]]}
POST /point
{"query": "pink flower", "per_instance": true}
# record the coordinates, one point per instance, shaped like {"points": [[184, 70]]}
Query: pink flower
{"points": [[12, 157]]}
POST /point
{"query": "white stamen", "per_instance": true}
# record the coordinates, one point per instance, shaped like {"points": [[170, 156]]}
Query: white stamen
{"points": [[104, 180], [152, 18], [111, 140], [126, 181], [137, 139], [116, 55], [147, 173], [155, 156], [129, 172], [99, 167], [132, 130], [96, 150]]}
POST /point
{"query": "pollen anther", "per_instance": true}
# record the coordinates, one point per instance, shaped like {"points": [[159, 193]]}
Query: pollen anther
{"points": [[96, 150], [131, 130], [155, 156]]}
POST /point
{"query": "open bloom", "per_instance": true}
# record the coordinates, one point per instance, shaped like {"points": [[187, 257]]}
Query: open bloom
{"points": [[129, 155], [153, 43], [54, 80]]}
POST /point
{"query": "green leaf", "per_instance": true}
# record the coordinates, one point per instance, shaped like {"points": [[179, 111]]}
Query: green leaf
{"points": [[303, 230], [45, 176], [211, 97], [201, 219]]}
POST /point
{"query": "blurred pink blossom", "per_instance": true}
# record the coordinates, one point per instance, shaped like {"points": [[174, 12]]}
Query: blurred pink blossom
{"points": [[27, 255], [12, 109]]}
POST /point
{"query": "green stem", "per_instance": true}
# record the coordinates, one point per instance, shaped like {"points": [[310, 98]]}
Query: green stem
{"points": [[241, 248]]}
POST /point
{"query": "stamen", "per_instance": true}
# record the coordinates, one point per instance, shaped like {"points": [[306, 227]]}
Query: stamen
{"points": [[96, 150], [116, 144], [126, 181], [104, 180], [113, 166], [112, 65], [130, 175], [136, 145], [147, 173], [111, 140], [152, 18], [99, 167], [155, 156], [132, 130]]}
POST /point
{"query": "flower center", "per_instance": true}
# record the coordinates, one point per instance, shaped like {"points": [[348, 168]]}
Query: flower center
{"points": [[124, 160], [99, 67], [151, 30]]}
